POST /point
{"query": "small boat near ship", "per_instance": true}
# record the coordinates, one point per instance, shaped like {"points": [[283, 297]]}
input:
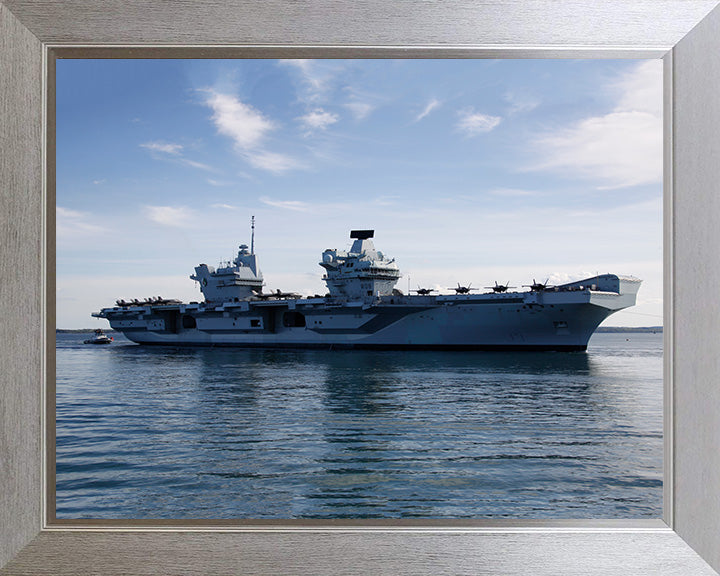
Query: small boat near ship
{"points": [[363, 310], [100, 338]]}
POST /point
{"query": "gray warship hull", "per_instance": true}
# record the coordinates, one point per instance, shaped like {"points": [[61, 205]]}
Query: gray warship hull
{"points": [[561, 318]]}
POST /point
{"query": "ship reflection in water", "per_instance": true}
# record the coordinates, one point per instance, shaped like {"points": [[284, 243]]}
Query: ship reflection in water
{"points": [[167, 432]]}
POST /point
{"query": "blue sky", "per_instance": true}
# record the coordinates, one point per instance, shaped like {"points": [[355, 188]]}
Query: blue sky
{"points": [[469, 171]]}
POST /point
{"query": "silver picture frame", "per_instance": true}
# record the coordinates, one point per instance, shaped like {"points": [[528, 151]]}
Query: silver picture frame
{"points": [[685, 33]]}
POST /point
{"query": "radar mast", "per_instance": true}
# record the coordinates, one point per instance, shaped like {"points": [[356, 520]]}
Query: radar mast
{"points": [[252, 235]]}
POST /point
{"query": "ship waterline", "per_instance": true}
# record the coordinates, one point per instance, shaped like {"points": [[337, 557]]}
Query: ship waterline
{"points": [[363, 310]]}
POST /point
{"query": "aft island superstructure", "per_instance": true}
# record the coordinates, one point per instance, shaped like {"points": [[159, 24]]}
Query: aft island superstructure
{"points": [[363, 309]]}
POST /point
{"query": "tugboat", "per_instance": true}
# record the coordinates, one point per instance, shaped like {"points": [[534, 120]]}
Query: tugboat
{"points": [[363, 309], [100, 338]]}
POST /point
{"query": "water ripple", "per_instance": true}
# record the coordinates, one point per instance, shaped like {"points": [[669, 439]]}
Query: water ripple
{"points": [[223, 433]]}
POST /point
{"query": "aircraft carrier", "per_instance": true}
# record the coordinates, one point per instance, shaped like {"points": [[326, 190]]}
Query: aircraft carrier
{"points": [[363, 309]]}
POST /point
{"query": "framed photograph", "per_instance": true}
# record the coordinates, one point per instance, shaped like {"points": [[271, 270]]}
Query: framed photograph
{"points": [[692, 469], [374, 385]]}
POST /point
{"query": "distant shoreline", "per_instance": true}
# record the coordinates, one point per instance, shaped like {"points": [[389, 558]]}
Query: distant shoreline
{"points": [[603, 329], [81, 330], [652, 329]]}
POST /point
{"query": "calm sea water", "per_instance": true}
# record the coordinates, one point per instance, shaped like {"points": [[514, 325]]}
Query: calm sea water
{"points": [[231, 433]]}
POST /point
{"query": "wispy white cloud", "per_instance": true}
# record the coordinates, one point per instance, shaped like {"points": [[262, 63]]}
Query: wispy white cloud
{"points": [[245, 125], [318, 119], [214, 182], [76, 219], [512, 192], [248, 128], [70, 224], [429, 107], [473, 123], [618, 149], [314, 80], [320, 81], [273, 161], [173, 152], [359, 109], [224, 206], [302, 64], [97, 182], [520, 102], [640, 89], [164, 147], [170, 215], [199, 165], [389, 200], [318, 78], [296, 205], [67, 213]]}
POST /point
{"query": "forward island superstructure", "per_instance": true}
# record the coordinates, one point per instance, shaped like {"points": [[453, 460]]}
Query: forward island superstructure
{"points": [[363, 309]]}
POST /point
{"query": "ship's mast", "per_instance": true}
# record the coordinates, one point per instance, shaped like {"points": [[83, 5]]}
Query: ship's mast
{"points": [[252, 236]]}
